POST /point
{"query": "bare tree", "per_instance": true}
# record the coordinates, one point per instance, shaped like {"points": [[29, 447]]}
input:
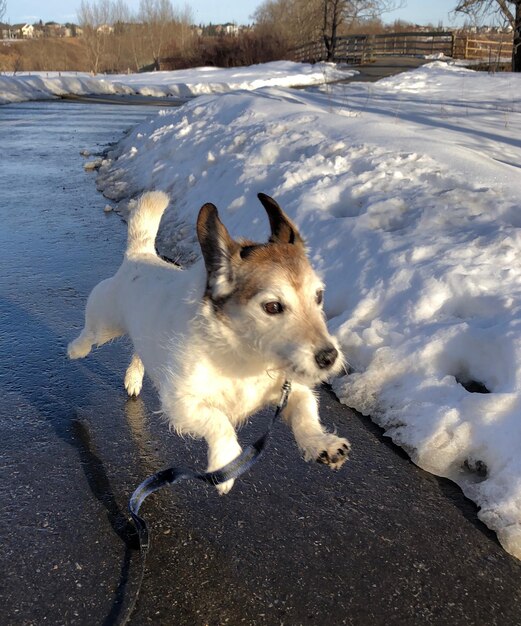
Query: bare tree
{"points": [[307, 20], [118, 39], [94, 18], [509, 10], [184, 18], [333, 12], [296, 21], [157, 17], [344, 13], [119, 43], [3, 9]]}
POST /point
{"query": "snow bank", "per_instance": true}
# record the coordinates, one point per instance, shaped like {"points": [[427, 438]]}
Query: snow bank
{"points": [[408, 192], [179, 84], [44, 87]]}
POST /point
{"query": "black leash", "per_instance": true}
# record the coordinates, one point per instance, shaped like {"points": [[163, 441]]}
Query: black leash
{"points": [[241, 464]]}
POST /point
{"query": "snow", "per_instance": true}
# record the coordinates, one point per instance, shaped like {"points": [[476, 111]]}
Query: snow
{"points": [[407, 191], [179, 84]]}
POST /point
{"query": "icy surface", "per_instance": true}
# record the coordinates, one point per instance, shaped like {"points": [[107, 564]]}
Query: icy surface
{"points": [[179, 84], [407, 191]]}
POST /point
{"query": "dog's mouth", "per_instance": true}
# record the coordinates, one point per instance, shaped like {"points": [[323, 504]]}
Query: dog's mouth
{"points": [[309, 378], [303, 367]]}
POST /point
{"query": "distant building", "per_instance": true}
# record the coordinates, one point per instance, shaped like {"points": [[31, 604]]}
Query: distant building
{"points": [[105, 29], [7, 31], [24, 31], [230, 29], [218, 30], [53, 29], [39, 29]]}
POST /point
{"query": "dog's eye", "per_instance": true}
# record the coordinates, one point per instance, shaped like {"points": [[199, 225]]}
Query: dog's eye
{"points": [[320, 296], [273, 308]]}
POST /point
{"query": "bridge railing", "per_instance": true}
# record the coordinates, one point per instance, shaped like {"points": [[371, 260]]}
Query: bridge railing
{"points": [[483, 49], [357, 49]]}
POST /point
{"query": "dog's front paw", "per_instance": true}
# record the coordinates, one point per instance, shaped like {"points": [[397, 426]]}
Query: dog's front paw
{"points": [[335, 452]]}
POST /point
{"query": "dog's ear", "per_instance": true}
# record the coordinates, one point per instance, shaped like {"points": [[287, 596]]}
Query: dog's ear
{"points": [[282, 228], [218, 249]]}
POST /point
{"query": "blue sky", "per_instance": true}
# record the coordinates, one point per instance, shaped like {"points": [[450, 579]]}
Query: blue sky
{"points": [[205, 11]]}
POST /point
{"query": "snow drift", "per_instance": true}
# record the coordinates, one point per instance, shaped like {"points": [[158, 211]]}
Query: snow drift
{"points": [[178, 85]]}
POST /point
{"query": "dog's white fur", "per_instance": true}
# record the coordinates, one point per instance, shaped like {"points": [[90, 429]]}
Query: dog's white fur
{"points": [[208, 336]]}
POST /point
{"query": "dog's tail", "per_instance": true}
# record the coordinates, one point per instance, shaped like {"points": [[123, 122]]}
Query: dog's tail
{"points": [[143, 222]]}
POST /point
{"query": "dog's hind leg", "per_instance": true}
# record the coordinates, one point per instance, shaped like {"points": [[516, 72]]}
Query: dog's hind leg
{"points": [[134, 376], [82, 345], [101, 322]]}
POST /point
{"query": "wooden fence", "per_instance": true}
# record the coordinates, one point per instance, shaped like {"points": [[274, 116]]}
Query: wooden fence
{"points": [[490, 51], [358, 49]]}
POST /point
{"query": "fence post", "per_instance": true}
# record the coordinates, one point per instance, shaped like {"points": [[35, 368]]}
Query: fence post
{"points": [[367, 45]]}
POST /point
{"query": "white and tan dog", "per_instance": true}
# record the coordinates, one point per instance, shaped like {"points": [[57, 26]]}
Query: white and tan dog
{"points": [[218, 339]]}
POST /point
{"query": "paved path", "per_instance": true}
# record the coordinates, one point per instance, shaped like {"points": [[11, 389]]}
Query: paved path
{"points": [[126, 99], [385, 66], [380, 542]]}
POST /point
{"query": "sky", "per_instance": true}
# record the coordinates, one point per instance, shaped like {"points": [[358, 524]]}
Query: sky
{"points": [[206, 11]]}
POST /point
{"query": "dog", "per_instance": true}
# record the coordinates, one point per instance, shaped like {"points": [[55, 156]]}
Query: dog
{"points": [[219, 338]]}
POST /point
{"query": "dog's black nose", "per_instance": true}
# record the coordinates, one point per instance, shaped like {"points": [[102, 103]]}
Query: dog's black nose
{"points": [[326, 357]]}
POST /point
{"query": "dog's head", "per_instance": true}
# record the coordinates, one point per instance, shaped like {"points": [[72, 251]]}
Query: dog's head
{"points": [[268, 296]]}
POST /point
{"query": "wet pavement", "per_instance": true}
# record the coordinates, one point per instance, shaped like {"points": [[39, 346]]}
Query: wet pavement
{"points": [[382, 67], [127, 99], [380, 542]]}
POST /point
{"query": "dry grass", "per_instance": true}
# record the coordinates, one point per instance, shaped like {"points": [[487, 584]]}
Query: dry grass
{"points": [[227, 51], [71, 54], [43, 55]]}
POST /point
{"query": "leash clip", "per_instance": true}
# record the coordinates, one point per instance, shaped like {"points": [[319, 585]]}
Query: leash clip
{"points": [[284, 394]]}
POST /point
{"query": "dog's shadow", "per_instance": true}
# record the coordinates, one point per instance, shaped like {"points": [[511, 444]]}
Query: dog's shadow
{"points": [[100, 486]]}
